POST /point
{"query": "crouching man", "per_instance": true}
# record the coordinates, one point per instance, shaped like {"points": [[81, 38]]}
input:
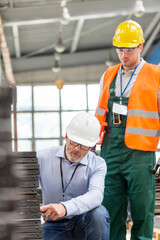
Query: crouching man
{"points": [[72, 182]]}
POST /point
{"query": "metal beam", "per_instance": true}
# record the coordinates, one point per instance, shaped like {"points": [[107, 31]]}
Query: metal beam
{"points": [[78, 10], [11, 3], [151, 39], [67, 60], [77, 35], [15, 31], [52, 46], [79, 75], [152, 25]]}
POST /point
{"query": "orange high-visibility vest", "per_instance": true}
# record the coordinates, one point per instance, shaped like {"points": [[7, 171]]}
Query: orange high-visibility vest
{"points": [[143, 123]]}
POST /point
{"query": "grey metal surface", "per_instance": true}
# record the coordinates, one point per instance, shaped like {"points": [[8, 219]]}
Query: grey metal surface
{"points": [[8, 177], [28, 221]]}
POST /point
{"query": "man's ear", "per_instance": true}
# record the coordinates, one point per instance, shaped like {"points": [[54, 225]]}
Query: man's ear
{"points": [[141, 47]]}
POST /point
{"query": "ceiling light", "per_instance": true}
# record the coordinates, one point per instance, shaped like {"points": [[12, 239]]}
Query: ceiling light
{"points": [[109, 62], [63, 3], [65, 18], [57, 56], [60, 46], [56, 68], [139, 9]]}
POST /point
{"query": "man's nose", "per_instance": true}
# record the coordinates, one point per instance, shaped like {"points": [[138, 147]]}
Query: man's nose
{"points": [[78, 147], [124, 53]]}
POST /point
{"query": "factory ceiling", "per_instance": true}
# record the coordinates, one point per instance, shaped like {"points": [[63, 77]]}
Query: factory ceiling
{"points": [[32, 29]]}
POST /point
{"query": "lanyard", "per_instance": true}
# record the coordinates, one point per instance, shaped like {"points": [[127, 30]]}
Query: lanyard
{"points": [[127, 83], [64, 188]]}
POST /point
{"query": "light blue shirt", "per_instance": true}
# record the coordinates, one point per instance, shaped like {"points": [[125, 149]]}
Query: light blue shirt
{"points": [[86, 188]]}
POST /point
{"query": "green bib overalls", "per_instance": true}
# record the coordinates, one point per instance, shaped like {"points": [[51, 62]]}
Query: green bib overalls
{"points": [[129, 177]]}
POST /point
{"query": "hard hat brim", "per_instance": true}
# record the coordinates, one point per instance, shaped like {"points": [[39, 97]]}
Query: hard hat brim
{"points": [[126, 45], [81, 140]]}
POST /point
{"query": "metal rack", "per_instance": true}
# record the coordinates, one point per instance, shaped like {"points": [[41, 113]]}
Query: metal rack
{"points": [[30, 197], [20, 196]]}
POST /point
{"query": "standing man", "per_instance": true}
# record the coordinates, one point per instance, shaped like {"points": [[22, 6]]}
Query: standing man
{"points": [[129, 115], [72, 181]]}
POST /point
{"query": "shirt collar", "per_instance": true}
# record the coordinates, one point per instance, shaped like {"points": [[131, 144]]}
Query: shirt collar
{"points": [[60, 154], [131, 71]]}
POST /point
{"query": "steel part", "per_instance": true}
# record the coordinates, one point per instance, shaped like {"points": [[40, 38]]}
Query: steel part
{"points": [[28, 222], [28, 203], [33, 184], [25, 154], [29, 178], [32, 196], [26, 160], [30, 229], [29, 215], [30, 236], [28, 172], [29, 166], [28, 210], [28, 191]]}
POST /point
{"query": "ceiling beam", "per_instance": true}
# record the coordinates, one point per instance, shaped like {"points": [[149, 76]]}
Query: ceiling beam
{"points": [[152, 25], [15, 31], [70, 39], [77, 35], [11, 3], [86, 10], [67, 60], [81, 75], [151, 40]]}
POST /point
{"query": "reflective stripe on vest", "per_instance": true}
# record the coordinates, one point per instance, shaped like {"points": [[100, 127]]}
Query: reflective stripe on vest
{"points": [[143, 113], [100, 111], [143, 132]]}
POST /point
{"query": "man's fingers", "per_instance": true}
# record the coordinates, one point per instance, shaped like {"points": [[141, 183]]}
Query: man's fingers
{"points": [[44, 208], [53, 211], [46, 215], [53, 216]]}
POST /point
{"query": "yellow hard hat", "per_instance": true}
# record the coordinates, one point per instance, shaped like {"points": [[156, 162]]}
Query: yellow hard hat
{"points": [[128, 34]]}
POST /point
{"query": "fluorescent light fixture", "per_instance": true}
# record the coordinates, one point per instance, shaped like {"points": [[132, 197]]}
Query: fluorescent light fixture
{"points": [[65, 17], [139, 9], [56, 68], [60, 46]]}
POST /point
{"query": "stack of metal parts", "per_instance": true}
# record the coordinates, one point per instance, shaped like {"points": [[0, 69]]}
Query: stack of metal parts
{"points": [[29, 219], [157, 202], [8, 174]]}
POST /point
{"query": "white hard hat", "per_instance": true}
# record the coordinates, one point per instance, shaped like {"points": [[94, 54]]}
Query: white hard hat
{"points": [[84, 129]]}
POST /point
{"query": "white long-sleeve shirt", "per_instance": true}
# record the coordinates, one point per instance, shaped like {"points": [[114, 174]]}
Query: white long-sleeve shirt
{"points": [[85, 190]]}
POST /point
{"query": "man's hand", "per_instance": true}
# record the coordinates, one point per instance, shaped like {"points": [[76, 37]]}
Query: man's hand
{"points": [[53, 211]]}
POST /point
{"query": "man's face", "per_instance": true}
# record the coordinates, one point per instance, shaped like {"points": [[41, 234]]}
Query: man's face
{"points": [[75, 153], [129, 57]]}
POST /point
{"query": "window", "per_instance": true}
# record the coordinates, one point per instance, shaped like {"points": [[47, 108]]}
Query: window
{"points": [[43, 113]]}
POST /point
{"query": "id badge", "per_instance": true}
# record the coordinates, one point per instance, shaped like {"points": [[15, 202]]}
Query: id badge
{"points": [[119, 109]]}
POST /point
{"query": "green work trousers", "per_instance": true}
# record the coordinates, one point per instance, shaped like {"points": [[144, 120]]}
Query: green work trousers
{"points": [[129, 178]]}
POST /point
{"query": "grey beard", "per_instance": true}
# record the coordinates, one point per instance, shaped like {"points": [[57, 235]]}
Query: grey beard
{"points": [[70, 158]]}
